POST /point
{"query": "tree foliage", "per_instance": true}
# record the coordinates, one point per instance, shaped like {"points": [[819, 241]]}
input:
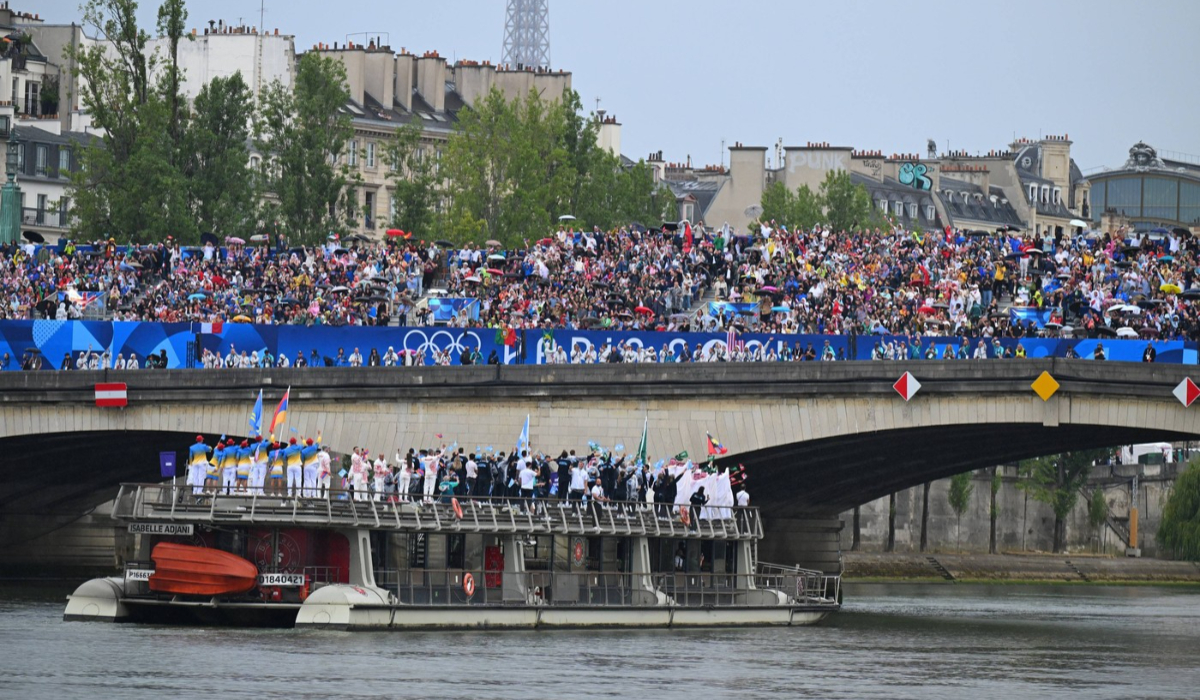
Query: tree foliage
{"points": [[1056, 480], [1179, 530], [838, 202], [216, 159], [960, 497], [416, 190], [304, 134], [514, 166]]}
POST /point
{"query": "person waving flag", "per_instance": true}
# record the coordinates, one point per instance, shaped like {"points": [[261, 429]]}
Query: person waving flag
{"points": [[256, 416], [714, 446]]}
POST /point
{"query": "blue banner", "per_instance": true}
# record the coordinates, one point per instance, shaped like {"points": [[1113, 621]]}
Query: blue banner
{"points": [[446, 310], [1024, 314], [53, 341], [723, 309]]}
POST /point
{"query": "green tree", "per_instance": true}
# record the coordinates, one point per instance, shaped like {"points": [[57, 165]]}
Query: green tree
{"points": [[960, 497], [129, 185], [800, 209], [303, 134], [1179, 531], [415, 185], [216, 159], [847, 205], [172, 24], [1055, 481]]}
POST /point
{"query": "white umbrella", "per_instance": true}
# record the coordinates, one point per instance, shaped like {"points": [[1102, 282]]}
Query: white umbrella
{"points": [[566, 217], [1126, 332], [1079, 222], [754, 210], [471, 278]]}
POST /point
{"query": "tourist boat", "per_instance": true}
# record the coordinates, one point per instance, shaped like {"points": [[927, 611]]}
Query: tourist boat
{"points": [[336, 562]]}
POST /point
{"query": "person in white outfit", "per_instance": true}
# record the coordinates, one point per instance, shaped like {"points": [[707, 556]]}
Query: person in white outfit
{"points": [[358, 475], [381, 470], [429, 465]]}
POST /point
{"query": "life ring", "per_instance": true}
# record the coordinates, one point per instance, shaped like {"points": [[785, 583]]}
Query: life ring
{"points": [[457, 512], [684, 516], [469, 585]]}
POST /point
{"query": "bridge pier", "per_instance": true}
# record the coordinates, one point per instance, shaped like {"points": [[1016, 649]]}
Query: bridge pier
{"points": [[812, 543]]}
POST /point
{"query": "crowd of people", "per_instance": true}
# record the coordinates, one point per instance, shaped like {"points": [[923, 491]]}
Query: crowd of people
{"points": [[783, 281], [303, 469]]}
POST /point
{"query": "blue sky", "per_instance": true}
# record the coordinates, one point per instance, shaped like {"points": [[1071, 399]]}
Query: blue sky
{"points": [[682, 77]]}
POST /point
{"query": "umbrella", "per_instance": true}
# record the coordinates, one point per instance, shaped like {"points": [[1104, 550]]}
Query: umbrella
{"points": [[444, 243], [497, 256], [1149, 331], [197, 296], [1180, 231], [394, 233], [546, 241], [340, 251], [289, 301], [754, 211], [240, 318], [670, 227], [33, 237], [235, 240], [1131, 250], [126, 266], [258, 238], [338, 289], [926, 310], [208, 237], [977, 233], [941, 305], [494, 271], [1105, 330], [1009, 227], [781, 308], [1191, 293], [643, 310], [770, 289], [566, 217], [1035, 251], [472, 278], [590, 322], [1053, 324], [1126, 332], [1123, 264], [1170, 288], [1167, 258], [492, 242], [1078, 222]]}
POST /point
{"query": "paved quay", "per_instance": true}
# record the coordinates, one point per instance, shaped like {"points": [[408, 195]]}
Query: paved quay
{"points": [[1068, 568]]}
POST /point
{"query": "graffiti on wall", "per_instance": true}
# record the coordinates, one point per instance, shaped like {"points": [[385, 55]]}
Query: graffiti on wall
{"points": [[914, 175]]}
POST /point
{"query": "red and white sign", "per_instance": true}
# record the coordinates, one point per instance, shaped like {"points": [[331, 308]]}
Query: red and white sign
{"points": [[1187, 392], [907, 386], [110, 395]]}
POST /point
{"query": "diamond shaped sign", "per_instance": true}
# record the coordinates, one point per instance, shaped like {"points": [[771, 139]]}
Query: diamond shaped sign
{"points": [[907, 386], [1187, 392], [1045, 386]]}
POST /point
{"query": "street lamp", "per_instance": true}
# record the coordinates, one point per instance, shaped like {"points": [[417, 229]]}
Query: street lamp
{"points": [[13, 158]]}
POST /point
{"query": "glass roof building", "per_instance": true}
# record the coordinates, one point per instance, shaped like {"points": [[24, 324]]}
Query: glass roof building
{"points": [[1151, 191]]}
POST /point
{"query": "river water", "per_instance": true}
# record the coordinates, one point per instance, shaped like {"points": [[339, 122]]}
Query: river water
{"points": [[890, 641]]}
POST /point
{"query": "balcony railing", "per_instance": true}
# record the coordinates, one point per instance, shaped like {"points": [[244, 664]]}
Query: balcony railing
{"points": [[31, 216]]}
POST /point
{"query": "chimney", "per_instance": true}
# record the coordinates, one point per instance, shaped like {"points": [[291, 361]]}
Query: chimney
{"points": [[431, 80], [404, 76]]}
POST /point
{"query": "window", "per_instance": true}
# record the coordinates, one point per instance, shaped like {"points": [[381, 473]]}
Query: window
{"points": [[392, 208], [41, 209], [912, 211], [1045, 193], [64, 162], [1125, 195], [41, 159], [64, 209], [370, 210], [1160, 198], [1189, 203], [353, 155], [32, 98], [1032, 194], [1057, 198], [883, 206], [370, 154], [898, 208], [930, 212], [20, 157]]}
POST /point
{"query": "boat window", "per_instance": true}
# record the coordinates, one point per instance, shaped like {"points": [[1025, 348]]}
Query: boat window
{"points": [[456, 547]]}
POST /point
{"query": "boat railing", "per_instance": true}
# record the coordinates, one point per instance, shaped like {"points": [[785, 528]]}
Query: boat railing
{"points": [[471, 587], [805, 585], [462, 514]]}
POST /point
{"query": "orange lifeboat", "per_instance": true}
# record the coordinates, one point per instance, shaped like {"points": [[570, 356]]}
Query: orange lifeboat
{"points": [[186, 570]]}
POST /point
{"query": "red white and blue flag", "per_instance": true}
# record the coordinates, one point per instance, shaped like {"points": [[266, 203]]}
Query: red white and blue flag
{"points": [[214, 327]]}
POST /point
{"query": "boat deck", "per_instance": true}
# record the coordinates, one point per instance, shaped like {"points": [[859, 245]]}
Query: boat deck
{"points": [[159, 503]]}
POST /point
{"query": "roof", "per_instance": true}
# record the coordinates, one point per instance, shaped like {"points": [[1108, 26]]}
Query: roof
{"points": [[978, 206], [704, 192], [892, 191]]}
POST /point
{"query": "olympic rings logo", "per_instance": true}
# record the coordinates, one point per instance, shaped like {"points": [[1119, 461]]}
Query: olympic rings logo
{"points": [[440, 341]]}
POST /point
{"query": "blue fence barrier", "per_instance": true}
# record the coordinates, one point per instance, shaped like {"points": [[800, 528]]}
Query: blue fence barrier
{"points": [[183, 344]]}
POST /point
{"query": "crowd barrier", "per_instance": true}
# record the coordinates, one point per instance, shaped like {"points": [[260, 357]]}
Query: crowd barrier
{"points": [[184, 343]]}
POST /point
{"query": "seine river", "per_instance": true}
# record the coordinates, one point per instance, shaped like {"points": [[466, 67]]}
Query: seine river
{"points": [[890, 641]]}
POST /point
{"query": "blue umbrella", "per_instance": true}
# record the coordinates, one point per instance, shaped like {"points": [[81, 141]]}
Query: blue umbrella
{"points": [[782, 307], [196, 296]]}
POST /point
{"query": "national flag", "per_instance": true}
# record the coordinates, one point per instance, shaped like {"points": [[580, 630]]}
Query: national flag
{"points": [[730, 339], [281, 410], [687, 237], [214, 327], [641, 451], [256, 416], [112, 395], [714, 446], [523, 439]]}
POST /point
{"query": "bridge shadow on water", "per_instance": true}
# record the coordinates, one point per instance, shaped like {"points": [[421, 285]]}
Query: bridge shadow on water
{"points": [[825, 477]]}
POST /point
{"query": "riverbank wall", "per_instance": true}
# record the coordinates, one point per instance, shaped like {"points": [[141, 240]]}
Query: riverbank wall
{"points": [[863, 566]]}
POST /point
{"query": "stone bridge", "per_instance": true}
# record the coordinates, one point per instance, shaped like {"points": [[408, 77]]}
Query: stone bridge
{"points": [[816, 438]]}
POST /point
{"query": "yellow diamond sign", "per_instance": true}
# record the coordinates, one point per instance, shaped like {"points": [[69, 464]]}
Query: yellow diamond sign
{"points": [[1045, 386]]}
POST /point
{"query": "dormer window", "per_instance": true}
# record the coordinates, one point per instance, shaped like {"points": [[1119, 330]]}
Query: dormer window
{"points": [[1032, 194], [883, 207], [929, 212], [898, 208], [912, 211], [1057, 195], [1045, 194], [966, 197]]}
